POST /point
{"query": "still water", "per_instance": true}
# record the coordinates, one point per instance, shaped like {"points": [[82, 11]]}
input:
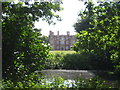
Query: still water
{"points": [[69, 76]]}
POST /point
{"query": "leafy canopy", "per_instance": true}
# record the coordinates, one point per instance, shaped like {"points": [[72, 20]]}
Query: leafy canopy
{"points": [[24, 48], [99, 32]]}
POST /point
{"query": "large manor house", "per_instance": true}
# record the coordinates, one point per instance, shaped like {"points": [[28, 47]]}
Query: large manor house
{"points": [[61, 42]]}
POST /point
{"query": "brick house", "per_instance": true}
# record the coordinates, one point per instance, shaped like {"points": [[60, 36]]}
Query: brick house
{"points": [[61, 42]]}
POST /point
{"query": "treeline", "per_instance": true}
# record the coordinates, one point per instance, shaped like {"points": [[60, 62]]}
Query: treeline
{"points": [[98, 32], [24, 48]]}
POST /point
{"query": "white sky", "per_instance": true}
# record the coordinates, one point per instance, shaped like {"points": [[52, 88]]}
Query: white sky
{"points": [[69, 16]]}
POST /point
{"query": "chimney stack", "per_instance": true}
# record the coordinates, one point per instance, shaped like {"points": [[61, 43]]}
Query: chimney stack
{"points": [[51, 33], [58, 33], [68, 33]]}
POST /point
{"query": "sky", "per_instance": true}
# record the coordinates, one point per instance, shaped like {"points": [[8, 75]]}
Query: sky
{"points": [[69, 16]]}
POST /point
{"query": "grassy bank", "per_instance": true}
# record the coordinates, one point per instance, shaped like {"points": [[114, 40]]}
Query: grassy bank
{"points": [[61, 51]]}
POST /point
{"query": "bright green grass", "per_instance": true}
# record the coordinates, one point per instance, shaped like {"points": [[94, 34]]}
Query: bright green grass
{"points": [[65, 52]]}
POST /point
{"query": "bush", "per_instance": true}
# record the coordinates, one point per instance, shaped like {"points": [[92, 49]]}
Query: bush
{"points": [[76, 61], [95, 82], [24, 47], [55, 61], [81, 61], [101, 37], [58, 82]]}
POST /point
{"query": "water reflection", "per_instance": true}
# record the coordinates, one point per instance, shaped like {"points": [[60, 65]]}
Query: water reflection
{"points": [[52, 77], [68, 74], [67, 83]]}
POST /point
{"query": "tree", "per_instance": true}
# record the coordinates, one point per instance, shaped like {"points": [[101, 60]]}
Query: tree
{"points": [[24, 50], [101, 34]]}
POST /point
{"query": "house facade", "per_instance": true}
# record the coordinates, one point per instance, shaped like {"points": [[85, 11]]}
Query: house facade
{"points": [[61, 42]]}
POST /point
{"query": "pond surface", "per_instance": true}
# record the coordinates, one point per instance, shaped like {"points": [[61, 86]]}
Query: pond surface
{"points": [[69, 74]]}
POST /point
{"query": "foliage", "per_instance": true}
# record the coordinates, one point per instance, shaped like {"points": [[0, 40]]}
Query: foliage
{"points": [[58, 82], [24, 48], [55, 61], [80, 62], [84, 61], [99, 32], [95, 82], [76, 61]]}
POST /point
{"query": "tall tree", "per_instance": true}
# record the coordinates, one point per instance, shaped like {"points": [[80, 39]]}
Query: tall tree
{"points": [[24, 50], [99, 32]]}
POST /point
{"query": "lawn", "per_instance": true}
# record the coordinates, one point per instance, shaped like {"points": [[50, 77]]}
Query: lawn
{"points": [[61, 51]]}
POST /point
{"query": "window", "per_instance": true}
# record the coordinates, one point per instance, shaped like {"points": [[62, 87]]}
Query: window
{"points": [[62, 38], [57, 47], [62, 42], [54, 38], [67, 42], [73, 41], [57, 37], [67, 47], [57, 42], [67, 38]]}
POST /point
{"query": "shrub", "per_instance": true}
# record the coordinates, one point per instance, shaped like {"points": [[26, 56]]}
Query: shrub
{"points": [[95, 82], [55, 61], [81, 61], [76, 61], [58, 82], [24, 47]]}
